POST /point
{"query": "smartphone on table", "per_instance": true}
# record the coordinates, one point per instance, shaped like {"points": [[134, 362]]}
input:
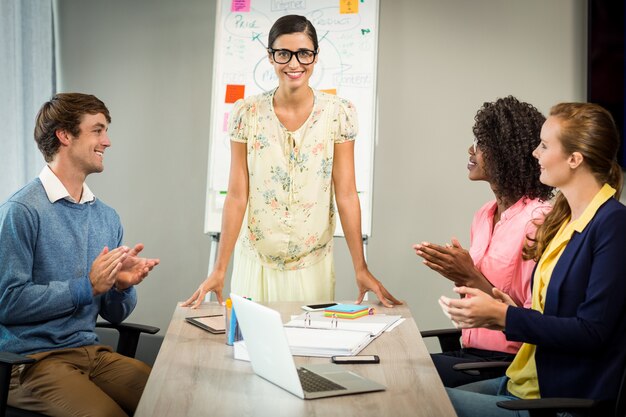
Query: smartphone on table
{"points": [[317, 307], [351, 360]]}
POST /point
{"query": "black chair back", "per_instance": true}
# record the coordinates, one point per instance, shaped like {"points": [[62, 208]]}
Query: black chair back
{"points": [[620, 405]]}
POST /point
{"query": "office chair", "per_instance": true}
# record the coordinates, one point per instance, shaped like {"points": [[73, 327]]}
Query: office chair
{"points": [[128, 340], [450, 340], [549, 407]]}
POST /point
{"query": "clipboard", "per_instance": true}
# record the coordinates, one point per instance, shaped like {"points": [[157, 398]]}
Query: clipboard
{"points": [[213, 323]]}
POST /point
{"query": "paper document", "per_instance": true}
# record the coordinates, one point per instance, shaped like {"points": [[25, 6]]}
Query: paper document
{"points": [[374, 324], [312, 334], [326, 342]]}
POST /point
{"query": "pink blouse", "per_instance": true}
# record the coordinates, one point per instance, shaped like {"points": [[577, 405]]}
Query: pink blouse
{"points": [[497, 253]]}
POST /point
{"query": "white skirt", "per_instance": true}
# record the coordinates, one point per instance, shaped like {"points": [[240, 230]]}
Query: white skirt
{"points": [[315, 283]]}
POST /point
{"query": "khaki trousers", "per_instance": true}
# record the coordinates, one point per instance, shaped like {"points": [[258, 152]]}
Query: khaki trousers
{"points": [[90, 381]]}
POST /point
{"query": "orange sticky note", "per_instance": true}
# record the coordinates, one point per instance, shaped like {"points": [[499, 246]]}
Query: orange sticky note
{"points": [[234, 92], [348, 6], [332, 91]]}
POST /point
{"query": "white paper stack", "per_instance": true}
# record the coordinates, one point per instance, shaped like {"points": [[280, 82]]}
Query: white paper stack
{"points": [[325, 337], [326, 342], [316, 342], [374, 324]]}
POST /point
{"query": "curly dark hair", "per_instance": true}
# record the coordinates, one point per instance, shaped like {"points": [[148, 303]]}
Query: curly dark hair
{"points": [[507, 131]]}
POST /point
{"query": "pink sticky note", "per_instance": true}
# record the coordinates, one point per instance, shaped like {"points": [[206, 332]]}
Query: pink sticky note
{"points": [[240, 6], [225, 126]]}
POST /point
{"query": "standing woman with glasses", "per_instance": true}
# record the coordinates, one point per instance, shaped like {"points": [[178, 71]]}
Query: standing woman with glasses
{"points": [[292, 152], [506, 132]]}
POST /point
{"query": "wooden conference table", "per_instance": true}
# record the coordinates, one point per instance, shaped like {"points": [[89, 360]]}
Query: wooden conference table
{"points": [[195, 375]]}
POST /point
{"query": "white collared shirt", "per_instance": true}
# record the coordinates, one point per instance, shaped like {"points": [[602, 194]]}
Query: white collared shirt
{"points": [[55, 190]]}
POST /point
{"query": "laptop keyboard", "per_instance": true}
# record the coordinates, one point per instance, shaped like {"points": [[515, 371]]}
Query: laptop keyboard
{"points": [[312, 382]]}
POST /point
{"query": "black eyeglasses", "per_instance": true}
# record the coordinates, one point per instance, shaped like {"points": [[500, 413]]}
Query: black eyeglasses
{"points": [[283, 56]]}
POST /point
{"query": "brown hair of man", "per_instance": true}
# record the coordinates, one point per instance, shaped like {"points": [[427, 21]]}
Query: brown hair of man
{"points": [[64, 111]]}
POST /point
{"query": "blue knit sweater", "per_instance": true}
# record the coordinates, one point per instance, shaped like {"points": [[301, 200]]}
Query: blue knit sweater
{"points": [[46, 252]]}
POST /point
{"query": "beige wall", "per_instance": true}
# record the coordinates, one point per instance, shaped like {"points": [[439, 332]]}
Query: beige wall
{"points": [[151, 61]]}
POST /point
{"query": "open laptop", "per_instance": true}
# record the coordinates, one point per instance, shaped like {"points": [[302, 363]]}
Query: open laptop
{"points": [[271, 358]]}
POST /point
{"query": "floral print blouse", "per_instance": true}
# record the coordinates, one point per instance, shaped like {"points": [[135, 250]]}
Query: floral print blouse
{"points": [[291, 215]]}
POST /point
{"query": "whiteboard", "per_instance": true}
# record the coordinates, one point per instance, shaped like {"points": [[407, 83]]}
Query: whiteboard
{"points": [[347, 32]]}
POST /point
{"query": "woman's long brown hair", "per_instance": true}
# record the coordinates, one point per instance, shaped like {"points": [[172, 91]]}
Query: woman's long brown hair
{"points": [[590, 130]]}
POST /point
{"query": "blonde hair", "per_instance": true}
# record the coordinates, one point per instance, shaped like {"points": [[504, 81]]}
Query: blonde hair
{"points": [[590, 130]]}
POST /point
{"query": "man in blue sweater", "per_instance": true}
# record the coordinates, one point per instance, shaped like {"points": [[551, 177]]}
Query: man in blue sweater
{"points": [[62, 265]]}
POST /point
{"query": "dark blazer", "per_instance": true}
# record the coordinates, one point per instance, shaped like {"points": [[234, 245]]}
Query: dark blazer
{"points": [[581, 336]]}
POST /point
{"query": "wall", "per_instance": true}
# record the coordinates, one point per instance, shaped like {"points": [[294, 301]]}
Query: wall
{"points": [[438, 62], [151, 61]]}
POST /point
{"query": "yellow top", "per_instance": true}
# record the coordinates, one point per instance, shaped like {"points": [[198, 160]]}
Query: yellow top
{"points": [[291, 215], [522, 372]]}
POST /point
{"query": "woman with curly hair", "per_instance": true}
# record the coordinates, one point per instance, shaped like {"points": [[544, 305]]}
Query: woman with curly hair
{"points": [[506, 132]]}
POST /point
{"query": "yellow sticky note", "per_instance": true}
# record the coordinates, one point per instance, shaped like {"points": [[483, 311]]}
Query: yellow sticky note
{"points": [[332, 91], [348, 6]]}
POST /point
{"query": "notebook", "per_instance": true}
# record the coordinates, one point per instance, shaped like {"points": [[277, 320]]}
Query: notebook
{"points": [[271, 358], [375, 324], [347, 311], [306, 341]]}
